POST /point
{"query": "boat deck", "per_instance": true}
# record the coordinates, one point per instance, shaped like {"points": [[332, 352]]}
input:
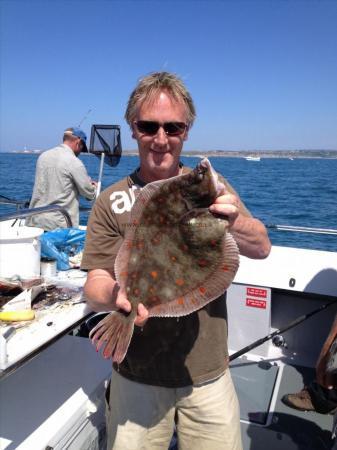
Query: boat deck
{"points": [[284, 288], [265, 421]]}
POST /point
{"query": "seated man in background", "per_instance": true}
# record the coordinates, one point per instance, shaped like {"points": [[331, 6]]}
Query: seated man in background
{"points": [[321, 394], [60, 179]]}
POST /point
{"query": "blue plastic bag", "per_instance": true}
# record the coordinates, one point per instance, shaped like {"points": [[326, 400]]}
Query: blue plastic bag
{"points": [[61, 243]]}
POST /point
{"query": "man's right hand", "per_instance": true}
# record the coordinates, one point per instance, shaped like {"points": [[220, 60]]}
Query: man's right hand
{"points": [[103, 294], [123, 303]]}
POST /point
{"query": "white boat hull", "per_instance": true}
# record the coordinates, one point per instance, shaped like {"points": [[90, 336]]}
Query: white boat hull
{"points": [[51, 399]]}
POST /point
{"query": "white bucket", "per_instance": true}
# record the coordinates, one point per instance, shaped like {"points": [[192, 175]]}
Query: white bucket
{"points": [[20, 250]]}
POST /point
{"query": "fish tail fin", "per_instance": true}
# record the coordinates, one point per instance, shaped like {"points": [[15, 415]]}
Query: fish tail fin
{"points": [[114, 334]]}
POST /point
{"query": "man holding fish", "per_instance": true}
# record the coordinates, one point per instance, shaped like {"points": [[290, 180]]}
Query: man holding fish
{"points": [[162, 247]]}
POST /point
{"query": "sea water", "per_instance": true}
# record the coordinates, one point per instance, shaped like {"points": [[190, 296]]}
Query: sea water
{"points": [[278, 191]]}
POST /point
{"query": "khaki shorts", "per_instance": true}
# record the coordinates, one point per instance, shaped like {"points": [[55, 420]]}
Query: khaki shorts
{"points": [[142, 417]]}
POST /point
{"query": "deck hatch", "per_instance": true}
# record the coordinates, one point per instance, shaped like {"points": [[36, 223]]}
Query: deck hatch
{"points": [[254, 383]]}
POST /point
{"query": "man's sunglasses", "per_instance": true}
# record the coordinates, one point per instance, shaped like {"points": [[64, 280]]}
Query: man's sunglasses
{"points": [[151, 128]]}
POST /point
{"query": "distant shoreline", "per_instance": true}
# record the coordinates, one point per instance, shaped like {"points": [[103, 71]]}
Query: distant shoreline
{"points": [[288, 154], [331, 154]]}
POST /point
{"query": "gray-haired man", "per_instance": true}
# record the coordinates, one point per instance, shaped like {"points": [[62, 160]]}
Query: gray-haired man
{"points": [[60, 179]]}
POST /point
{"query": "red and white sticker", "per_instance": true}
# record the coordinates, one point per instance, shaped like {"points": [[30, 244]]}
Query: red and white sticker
{"points": [[257, 292], [256, 303]]}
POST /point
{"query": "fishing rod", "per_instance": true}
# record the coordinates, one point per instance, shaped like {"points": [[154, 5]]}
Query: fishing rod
{"points": [[84, 117], [279, 331], [302, 229]]}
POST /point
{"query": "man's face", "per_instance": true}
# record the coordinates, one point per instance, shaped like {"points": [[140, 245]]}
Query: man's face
{"points": [[78, 146], [159, 153]]}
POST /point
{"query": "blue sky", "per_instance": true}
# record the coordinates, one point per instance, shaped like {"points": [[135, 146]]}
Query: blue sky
{"points": [[263, 74]]}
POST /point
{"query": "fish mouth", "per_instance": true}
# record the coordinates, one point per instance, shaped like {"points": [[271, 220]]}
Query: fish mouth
{"points": [[202, 168], [204, 165]]}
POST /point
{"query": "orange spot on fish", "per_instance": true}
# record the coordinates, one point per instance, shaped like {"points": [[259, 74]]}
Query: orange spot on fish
{"points": [[181, 300], [180, 282], [140, 245], [124, 274], [202, 290], [202, 262], [154, 274], [173, 258], [154, 299], [225, 268]]}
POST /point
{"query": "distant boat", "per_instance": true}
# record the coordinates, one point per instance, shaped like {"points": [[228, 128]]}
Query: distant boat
{"points": [[253, 158]]}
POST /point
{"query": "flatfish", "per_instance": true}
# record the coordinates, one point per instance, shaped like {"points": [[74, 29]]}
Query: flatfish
{"points": [[175, 258]]}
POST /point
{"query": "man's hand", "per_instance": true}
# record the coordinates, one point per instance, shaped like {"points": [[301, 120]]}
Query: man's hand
{"points": [[227, 205], [123, 303], [249, 233], [104, 294]]}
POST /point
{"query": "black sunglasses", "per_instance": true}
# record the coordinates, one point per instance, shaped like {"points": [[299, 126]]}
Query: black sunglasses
{"points": [[151, 127]]}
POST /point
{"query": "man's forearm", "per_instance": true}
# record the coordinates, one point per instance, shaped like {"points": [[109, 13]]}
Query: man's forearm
{"points": [[100, 291], [251, 236]]}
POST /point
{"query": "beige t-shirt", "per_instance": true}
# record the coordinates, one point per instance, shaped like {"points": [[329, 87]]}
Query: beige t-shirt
{"points": [[59, 180], [171, 352]]}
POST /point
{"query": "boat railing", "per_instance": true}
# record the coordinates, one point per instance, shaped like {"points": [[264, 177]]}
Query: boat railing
{"points": [[18, 203], [299, 229], [29, 212], [22, 212]]}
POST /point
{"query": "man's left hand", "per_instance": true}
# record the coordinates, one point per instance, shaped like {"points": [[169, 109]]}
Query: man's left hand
{"points": [[226, 205]]}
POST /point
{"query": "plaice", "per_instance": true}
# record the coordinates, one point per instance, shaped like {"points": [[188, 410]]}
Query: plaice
{"points": [[176, 256]]}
